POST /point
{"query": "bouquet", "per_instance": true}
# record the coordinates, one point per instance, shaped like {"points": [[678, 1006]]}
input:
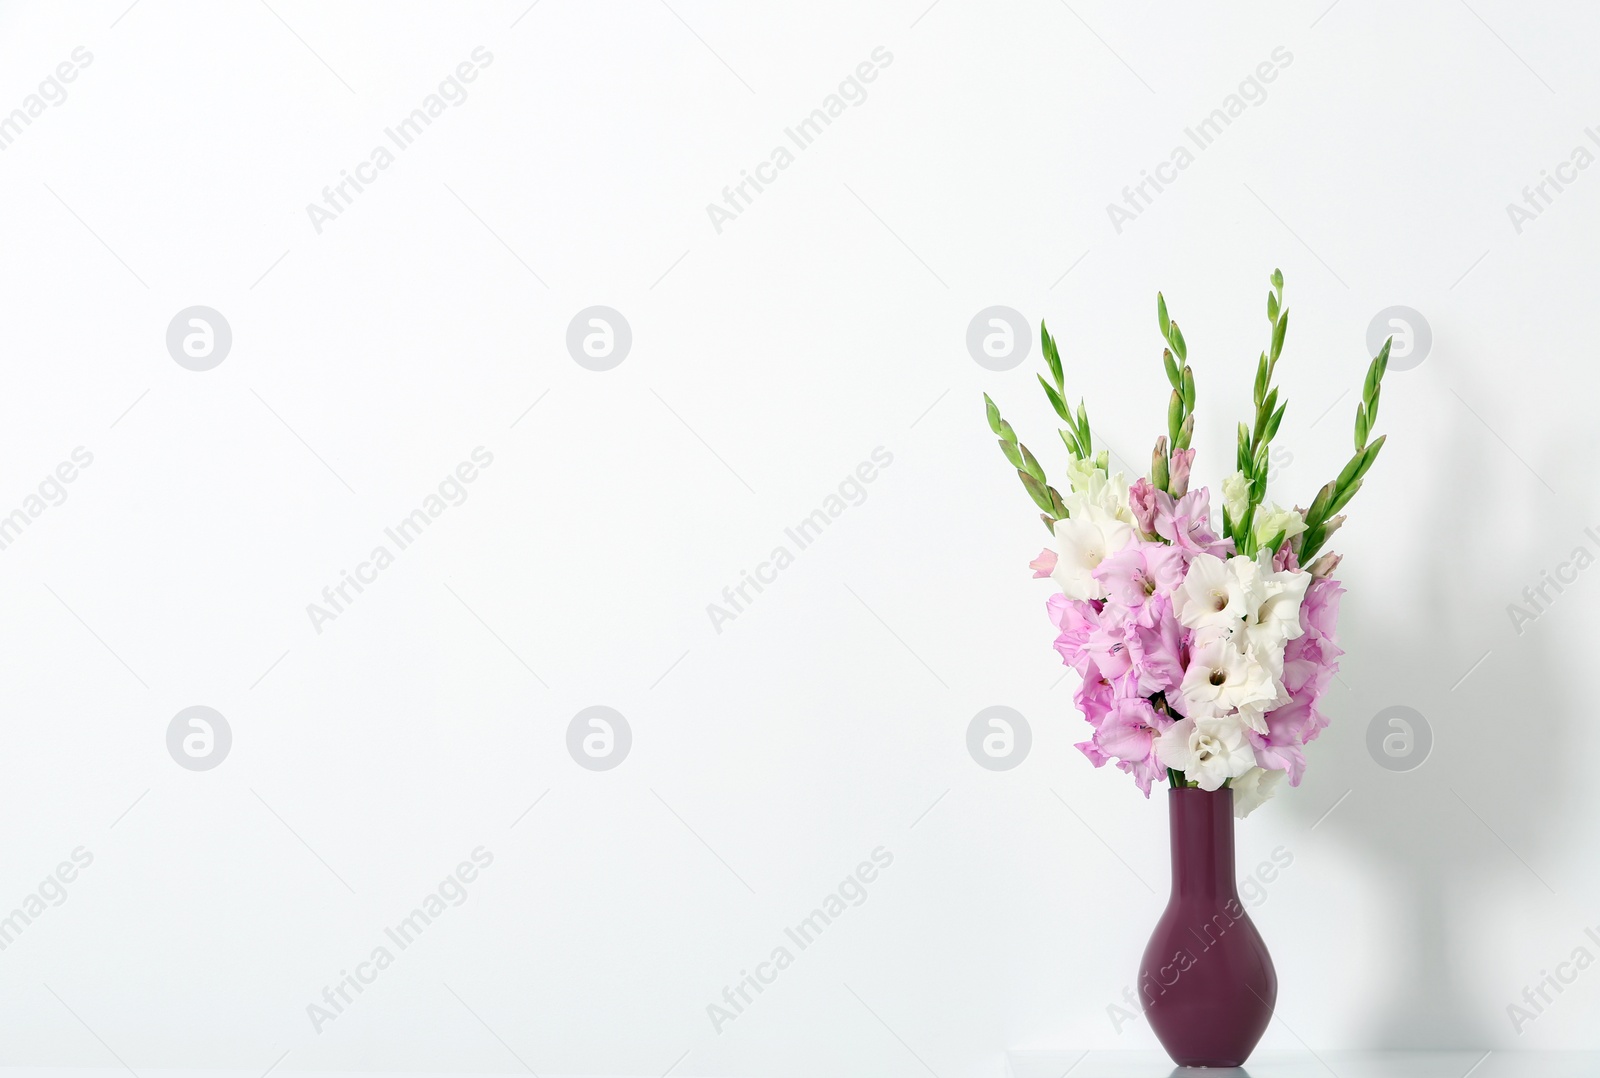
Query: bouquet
{"points": [[1204, 653]]}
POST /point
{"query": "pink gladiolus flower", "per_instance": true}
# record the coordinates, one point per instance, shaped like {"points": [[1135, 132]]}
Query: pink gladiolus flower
{"points": [[1140, 570], [1076, 619], [1287, 757], [1129, 729], [1157, 648], [1320, 609], [1095, 697], [1307, 668], [1128, 733], [1109, 651], [1289, 728], [1044, 564], [1089, 749], [1186, 523], [1145, 772]]}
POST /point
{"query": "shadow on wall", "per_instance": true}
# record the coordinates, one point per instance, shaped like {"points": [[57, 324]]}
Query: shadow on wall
{"points": [[1427, 831]]}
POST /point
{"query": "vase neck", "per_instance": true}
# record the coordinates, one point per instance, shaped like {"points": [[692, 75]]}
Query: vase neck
{"points": [[1202, 843]]}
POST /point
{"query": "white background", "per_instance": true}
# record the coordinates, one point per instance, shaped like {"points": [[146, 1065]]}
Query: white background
{"points": [[768, 360]]}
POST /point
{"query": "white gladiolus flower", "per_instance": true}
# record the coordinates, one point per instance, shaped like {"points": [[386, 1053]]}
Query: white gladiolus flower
{"points": [[1211, 596], [1270, 522], [1221, 678], [1251, 789], [1093, 489], [1252, 575], [1275, 620], [1236, 496], [1083, 541], [1208, 751], [1081, 472]]}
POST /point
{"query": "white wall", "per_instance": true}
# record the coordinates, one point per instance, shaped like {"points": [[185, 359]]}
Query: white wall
{"points": [[767, 362]]}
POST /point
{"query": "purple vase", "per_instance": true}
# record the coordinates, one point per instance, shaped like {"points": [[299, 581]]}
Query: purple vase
{"points": [[1206, 981]]}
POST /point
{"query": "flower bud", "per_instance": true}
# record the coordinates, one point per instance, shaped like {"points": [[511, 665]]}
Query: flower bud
{"points": [[1178, 480], [1142, 501]]}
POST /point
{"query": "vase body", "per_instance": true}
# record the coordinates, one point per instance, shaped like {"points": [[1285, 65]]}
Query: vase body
{"points": [[1206, 983]]}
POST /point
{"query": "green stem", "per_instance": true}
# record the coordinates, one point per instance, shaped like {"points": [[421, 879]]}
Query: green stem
{"points": [[1254, 439]]}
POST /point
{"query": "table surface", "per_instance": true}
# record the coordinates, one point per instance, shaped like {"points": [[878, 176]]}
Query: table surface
{"points": [[1478, 1064], [1074, 1064]]}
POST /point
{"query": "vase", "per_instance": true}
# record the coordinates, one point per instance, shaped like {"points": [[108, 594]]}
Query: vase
{"points": [[1206, 982]]}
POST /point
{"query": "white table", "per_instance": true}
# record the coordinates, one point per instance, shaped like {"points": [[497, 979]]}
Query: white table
{"points": [[1112, 1064]]}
